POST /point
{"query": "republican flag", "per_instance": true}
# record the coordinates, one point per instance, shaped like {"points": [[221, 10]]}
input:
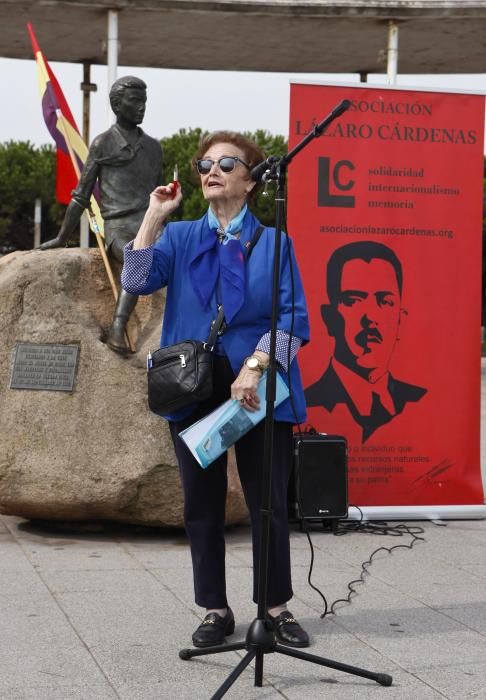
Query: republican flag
{"points": [[71, 149]]}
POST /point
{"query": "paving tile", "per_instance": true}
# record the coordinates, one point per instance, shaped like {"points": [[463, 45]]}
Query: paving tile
{"points": [[136, 582], [157, 660], [472, 616], [155, 555], [32, 662], [334, 685], [420, 637], [133, 618], [476, 570], [13, 557], [460, 680], [51, 692], [179, 582], [20, 582], [201, 688], [78, 556]]}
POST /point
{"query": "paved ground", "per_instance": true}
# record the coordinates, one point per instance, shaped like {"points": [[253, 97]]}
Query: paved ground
{"points": [[102, 615]]}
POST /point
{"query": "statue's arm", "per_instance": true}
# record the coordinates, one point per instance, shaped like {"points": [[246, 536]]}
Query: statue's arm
{"points": [[79, 202], [71, 220]]}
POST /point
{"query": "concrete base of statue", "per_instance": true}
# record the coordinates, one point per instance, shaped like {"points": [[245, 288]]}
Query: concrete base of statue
{"points": [[96, 452]]}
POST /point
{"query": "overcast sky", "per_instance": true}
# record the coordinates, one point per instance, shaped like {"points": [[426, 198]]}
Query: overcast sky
{"points": [[179, 98]]}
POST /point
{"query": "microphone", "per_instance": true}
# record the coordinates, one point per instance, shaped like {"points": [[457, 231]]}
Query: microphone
{"points": [[257, 173], [340, 108], [336, 112]]}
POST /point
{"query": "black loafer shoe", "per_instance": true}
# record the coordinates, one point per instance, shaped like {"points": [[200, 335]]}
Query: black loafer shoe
{"points": [[213, 629], [288, 631]]}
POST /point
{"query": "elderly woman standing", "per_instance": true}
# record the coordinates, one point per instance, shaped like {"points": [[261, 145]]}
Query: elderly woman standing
{"points": [[203, 264]]}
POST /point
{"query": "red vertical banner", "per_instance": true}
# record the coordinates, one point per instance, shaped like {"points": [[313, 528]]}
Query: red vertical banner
{"points": [[385, 210]]}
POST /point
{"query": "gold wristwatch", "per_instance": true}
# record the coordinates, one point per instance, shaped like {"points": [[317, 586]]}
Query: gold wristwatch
{"points": [[253, 363]]}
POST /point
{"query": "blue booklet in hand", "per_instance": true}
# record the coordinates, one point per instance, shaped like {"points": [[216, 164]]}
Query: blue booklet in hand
{"points": [[212, 435]]}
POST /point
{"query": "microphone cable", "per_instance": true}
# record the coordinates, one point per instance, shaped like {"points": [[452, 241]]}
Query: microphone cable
{"points": [[374, 528]]}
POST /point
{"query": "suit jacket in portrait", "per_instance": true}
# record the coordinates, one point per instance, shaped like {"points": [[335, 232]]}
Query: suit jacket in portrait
{"points": [[329, 391]]}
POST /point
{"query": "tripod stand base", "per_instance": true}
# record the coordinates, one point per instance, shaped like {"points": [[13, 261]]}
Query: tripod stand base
{"points": [[260, 636], [260, 640]]}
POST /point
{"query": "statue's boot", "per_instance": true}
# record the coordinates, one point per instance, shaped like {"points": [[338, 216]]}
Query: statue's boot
{"points": [[116, 336]]}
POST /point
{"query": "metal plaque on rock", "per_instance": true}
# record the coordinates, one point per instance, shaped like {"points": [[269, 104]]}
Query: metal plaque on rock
{"points": [[47, 367]]}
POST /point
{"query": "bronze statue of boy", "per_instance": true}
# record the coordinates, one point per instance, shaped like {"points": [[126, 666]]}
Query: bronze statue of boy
{"points": [[126, 165]]}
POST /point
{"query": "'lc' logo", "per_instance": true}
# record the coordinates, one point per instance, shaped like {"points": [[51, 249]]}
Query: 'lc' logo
{"points": [[341, 180]]}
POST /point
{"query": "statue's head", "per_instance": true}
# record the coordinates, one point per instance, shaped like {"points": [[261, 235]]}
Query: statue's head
{"points": [[128, 96]]}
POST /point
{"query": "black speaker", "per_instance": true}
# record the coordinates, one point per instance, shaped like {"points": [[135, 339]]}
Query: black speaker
{"points": [[318, 486]]}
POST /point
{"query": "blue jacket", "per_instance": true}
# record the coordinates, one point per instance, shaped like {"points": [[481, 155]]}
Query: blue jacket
{"points": [[185, 318]]}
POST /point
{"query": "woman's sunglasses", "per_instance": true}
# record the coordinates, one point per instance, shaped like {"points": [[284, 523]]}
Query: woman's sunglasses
{"points": [[226, 164]]}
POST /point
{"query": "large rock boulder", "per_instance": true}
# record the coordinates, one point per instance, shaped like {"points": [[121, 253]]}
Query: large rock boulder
{"points": [[96, 453]]}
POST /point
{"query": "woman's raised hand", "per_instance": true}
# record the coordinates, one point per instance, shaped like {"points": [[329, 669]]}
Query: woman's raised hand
{"points": [[164, 201]]}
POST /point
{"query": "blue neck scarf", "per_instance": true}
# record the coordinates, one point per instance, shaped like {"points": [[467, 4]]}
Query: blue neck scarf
{"points": [[226, 263], [234, 225]]}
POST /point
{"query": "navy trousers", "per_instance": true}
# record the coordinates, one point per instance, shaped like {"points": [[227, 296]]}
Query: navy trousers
{"points": [[205, 499]]}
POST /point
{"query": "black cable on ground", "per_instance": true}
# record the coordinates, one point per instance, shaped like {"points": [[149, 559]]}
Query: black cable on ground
{"points": [[311, 566], [369, 527], [381, 528]]}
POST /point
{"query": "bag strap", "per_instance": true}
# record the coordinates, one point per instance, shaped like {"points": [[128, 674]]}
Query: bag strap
{"points": [[216, 324], [254, 240]]}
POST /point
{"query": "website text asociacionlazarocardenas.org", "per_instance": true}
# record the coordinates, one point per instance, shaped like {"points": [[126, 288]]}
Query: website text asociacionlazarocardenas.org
{"points": [[368, 229]]}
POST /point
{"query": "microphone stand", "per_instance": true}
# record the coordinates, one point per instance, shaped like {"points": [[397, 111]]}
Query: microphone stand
{"points": [[260, 636]]}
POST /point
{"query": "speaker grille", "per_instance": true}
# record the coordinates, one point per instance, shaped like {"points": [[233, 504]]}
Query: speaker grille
{"points": [[319, 486]]}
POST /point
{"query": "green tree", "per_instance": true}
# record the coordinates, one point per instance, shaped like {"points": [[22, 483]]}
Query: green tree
{"points": [[264, 206], [27, 173]]}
